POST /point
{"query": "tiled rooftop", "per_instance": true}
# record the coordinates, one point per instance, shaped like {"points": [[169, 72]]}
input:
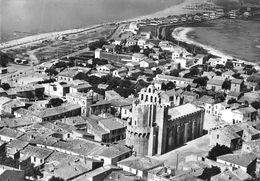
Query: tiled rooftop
{"points": [[183, 110], [238, 159], [140, 163]]}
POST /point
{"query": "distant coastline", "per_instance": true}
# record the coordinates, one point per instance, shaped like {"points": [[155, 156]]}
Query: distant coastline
{"points": [[181, 34], [173, 10]]}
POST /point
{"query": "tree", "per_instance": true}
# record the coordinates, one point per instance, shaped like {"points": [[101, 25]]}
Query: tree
{"points": [[97, 61], [28, 94], [61, 64], [170, 85], [5, 59], [158, 71], [209, 172], [218, 150], [147, 51], [39, 93], [53, 178], [220, 96], [226, 85], [55, 102], [134, 48], [175, 73], [118, 49], [51, 72], [229, 64], [97, 44], [256, 105], [232, 101], [5, 86], [202, 81], [238, 76], [194, 71]]}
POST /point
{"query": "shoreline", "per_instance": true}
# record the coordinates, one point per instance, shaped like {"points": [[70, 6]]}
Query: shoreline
{"points": [[181, 34], [27, 40]]}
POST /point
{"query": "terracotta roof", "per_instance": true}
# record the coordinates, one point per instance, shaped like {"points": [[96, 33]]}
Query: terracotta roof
{"points": [[112, 124], [140, 163], [12, 133], [239, 159], [183, 110], [236, 81], [17, 144], [69, 73], [113, 151], [55, 110]]}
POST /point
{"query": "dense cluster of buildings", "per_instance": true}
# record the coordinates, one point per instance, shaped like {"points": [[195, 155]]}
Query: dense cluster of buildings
{"points": [[97, 134]]}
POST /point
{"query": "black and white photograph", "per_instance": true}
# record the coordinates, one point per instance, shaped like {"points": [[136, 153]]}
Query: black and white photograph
{"points": [[129, 90]]}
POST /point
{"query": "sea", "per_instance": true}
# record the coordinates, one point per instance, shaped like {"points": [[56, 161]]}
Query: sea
{"points": [[239, 38], [20, 18]]}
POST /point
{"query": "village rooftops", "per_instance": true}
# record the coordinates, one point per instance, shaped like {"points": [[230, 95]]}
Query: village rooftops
{"points": [[3, 168], [93, 124], [236, 81], [18, 122], [78, 146], [30, 150], [229, 73], [82, 85], [113, 151], [71, 73], [246, 110], [112, 124], [188, 93], [109, 66], [100, 103], [244, 159], [234, 175], [55, 110], [36, 138], [120, 102], [42, 153], [253, 146], [11, 133], [208, 74], [56, 128], [183, 110], [82, 95], [2, 90], [172, 78], [62, 157], [207, 99], [139, 56], [96, 172], [15, 103], [103, 86], [112, 94], [17, 144], [234, 94], [37, 128], [68, 171], [140, 163], [4, 100], [112, 46], [215, 81], [171, 92], [74, 121], [228, 132]]}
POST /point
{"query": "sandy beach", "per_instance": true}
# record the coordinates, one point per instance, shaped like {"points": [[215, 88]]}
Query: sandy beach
{"points": [[44, 36], [180, 34], [173, 10]]}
